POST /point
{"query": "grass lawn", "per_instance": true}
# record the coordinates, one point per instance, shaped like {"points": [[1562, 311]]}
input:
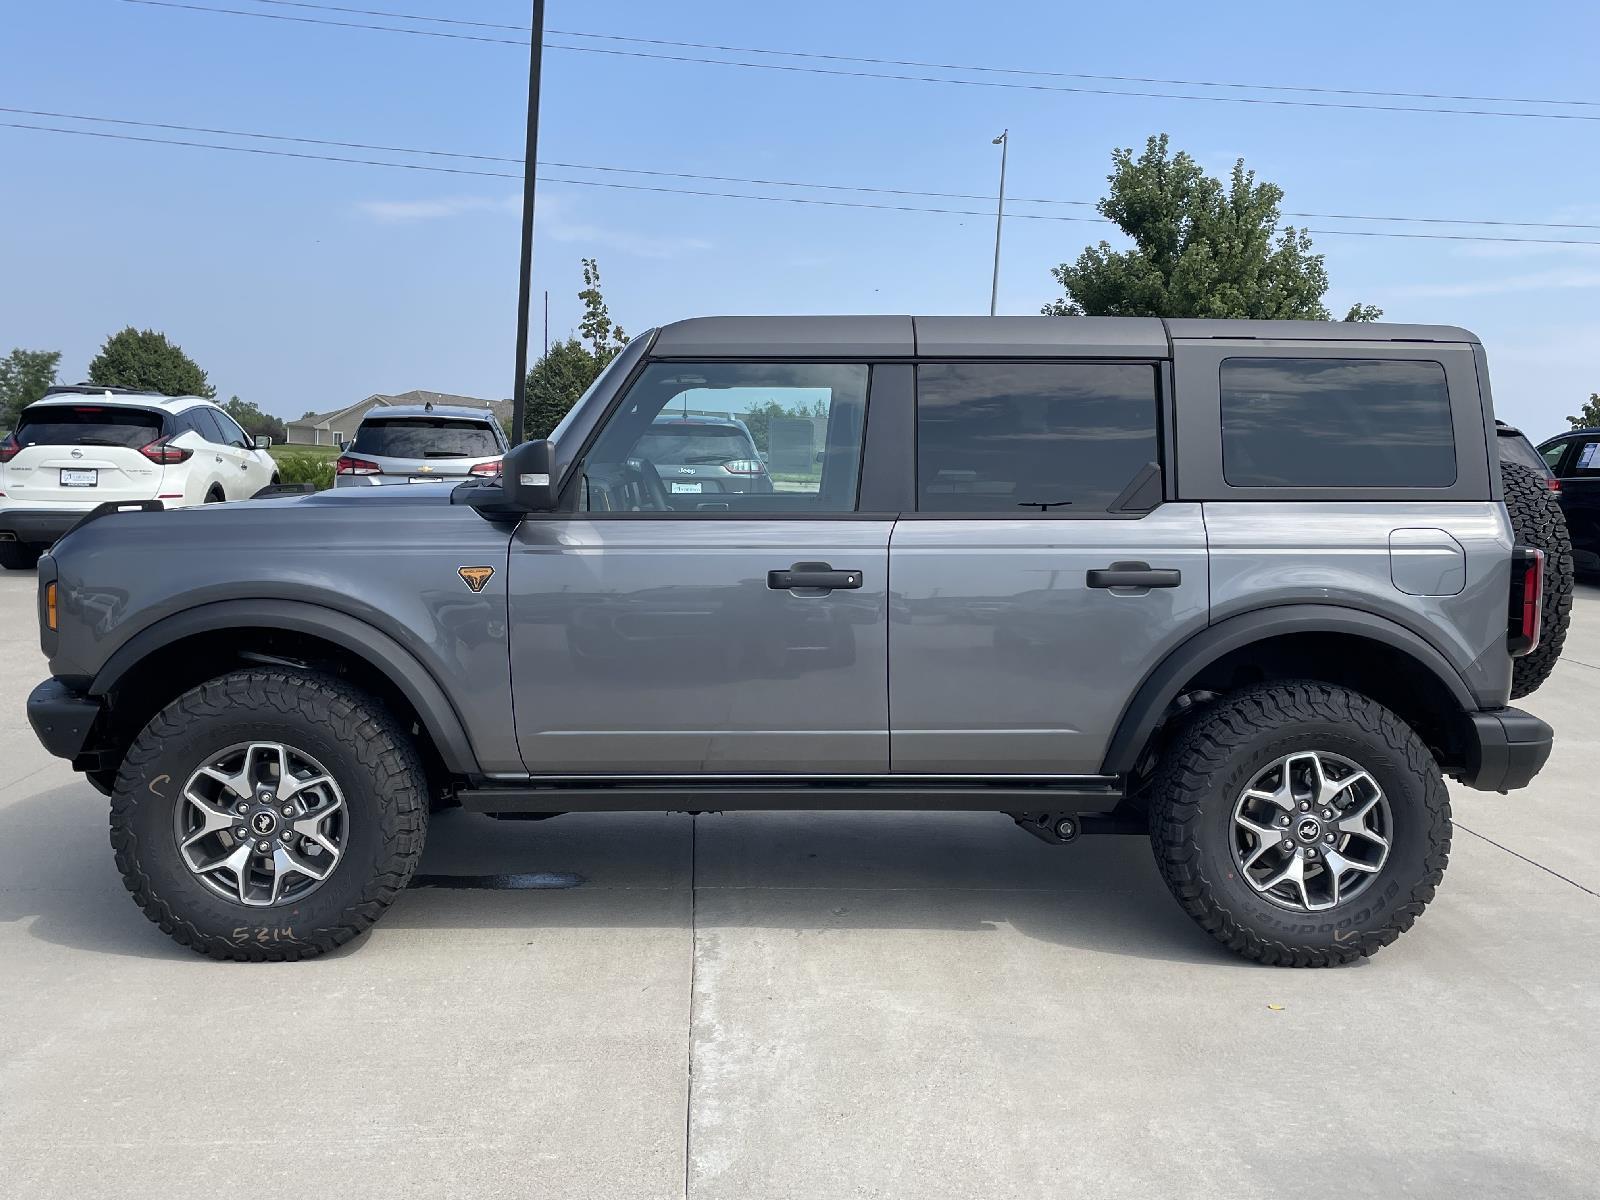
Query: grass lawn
{"points": [[320, 453]]}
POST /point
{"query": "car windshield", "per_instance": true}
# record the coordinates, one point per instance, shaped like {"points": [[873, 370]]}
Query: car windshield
{"points": [[694, 442], [425, 437], [87, 425]]}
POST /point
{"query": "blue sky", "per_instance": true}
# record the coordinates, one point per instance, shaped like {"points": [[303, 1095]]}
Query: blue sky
{"points": [[306, 285]]}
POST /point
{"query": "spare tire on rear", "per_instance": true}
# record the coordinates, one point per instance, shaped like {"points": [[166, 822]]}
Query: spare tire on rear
{"points": [[1537, 521]]}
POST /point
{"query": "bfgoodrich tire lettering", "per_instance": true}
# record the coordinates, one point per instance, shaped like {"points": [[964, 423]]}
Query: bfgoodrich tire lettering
{"points": [[1211, 762], [378, 772]]}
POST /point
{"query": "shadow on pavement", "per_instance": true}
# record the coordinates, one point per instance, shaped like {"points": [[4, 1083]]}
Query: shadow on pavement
{"points": [[799, 871]]}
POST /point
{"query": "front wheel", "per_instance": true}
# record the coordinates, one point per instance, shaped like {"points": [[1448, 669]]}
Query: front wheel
{"points": [[268, 815], [1300, 824]]}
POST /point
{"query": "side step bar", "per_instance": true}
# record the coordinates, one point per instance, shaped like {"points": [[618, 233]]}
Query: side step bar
{"points": [[1057, 794]]}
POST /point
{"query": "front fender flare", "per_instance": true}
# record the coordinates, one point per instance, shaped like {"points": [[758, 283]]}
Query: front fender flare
{"points": [[1160, 687], [382, 652]]}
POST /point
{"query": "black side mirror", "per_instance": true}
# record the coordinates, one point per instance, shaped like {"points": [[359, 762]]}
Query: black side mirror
{"points": [[528, 477]]}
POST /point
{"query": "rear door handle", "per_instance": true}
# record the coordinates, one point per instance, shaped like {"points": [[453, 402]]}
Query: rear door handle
{"points": [[1133, 575], [812, 575]]}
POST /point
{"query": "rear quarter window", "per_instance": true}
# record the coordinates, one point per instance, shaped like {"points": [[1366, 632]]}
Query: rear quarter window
{"points": [[87, 425], [1336, 422]]}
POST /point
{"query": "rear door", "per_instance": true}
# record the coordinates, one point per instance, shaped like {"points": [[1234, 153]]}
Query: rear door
{"points": [[1579, 472], [244, 473], [84, 454], [659, 631], [1042, 574]]}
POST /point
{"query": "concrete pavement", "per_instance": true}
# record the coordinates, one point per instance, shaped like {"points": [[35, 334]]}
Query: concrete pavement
{"points": [[802, 1005]]}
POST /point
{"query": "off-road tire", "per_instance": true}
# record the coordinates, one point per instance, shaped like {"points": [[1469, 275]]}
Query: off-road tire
{"points": [[367, 751], [1207, 766], [19, 556], [1538, 521]]}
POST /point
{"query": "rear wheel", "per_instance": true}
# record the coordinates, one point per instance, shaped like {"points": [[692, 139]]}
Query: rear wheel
{"points": [[214, 496], [1537, 520], [19, 556], [267, 815], [1300, 824]]}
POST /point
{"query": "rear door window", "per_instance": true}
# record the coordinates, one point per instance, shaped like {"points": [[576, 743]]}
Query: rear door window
{"points": [[1585, 460], [87, 425], [1031, 439], [425, 437], [1336, 422]]}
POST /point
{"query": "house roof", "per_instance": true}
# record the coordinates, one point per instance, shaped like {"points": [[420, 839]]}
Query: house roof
{"points": [[417, 396]]}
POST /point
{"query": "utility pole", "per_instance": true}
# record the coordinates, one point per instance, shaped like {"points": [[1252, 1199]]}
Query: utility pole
{"points": [[530, 173], [547, 322], [1004, 142]]}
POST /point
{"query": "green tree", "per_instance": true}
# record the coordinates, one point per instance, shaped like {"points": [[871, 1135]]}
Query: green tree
{"points": [[25, 375], [568, 368], [255, 422], [1589, 415], [145, 359], [1200, 248]]}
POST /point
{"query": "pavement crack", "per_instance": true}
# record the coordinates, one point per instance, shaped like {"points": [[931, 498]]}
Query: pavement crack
{"points": [[694, 960], [1531, 862]]}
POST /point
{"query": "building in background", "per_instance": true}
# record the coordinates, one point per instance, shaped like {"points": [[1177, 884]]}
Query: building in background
{"points": [[332, 428]]}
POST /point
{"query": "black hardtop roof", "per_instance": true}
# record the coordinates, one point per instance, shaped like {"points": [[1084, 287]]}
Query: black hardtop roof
{"points": [[1002, 337]]}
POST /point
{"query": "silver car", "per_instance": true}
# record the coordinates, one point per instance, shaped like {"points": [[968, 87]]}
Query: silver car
{"points": [[428, 443]]}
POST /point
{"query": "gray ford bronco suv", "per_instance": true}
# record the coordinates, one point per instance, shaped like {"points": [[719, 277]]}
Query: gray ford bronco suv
{"points": [[1250, 589]]}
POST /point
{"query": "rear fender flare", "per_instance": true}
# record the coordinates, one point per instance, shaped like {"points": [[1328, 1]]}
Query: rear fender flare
{"points": [[1161, 686]]}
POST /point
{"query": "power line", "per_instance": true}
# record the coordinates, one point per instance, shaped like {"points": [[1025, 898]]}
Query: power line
{"points": [[905, 62], [784, 183], [882, 75], [803, 200]]}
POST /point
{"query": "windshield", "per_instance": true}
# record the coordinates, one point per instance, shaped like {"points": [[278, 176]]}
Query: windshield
{"points": [[425, 437], [87, 425]]}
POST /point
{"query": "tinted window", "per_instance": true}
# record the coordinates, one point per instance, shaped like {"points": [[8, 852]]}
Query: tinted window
{"points": [[1552, 454], [232, 435], [1514, 448], [1028, 438], [61, 425], [425, 437], [1336, 422], [205, 424], [732, 437]]}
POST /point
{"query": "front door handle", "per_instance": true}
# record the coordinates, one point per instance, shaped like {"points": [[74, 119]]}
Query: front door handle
{"points": [[812, 575], [1133, 575]]}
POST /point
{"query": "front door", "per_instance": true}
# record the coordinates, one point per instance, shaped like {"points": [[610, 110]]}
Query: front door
{"points": [[1041, 576], [715, 603]]}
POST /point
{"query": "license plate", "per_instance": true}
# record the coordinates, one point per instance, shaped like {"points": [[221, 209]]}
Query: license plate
{"points": [[424, 479], [80, 476], [690, 488]]}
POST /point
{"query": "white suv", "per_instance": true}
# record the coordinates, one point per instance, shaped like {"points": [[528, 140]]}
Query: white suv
{"points": [[79, 447]]}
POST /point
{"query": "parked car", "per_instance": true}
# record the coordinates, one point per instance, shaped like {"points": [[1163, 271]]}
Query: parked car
{"points": [[81, 446], [1263, 585], [703, 455], [423, 443], [1574, 462]]}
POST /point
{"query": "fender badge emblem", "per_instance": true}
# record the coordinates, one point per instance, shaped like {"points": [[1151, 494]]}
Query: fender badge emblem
{"points": [[475, 577]]}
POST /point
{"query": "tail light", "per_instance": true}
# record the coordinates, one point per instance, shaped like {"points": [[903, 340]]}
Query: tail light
{"points": [[489, 470], [9, 448], [745, 466], [1527, 601], [1553, 484], [355, 466], [163, 451]]}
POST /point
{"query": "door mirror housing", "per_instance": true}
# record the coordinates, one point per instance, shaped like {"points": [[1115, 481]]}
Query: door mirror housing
{"points": [[528, 481], [261, 443]]}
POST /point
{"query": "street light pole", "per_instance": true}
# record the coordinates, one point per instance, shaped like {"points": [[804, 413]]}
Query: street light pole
{"points": [[530, 171], [1004, 142]]}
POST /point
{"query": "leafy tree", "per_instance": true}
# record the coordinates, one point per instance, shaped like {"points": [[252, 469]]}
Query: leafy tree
{"points": [[145, 359], [565, 372], [255, 422], [554, 385], [1589, 415], [1200, 248], [25, 375], [759, 420]]}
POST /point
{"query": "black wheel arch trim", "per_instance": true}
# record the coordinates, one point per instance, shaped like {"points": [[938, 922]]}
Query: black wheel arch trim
{"points": [[382, 652], [1160, 687]]}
